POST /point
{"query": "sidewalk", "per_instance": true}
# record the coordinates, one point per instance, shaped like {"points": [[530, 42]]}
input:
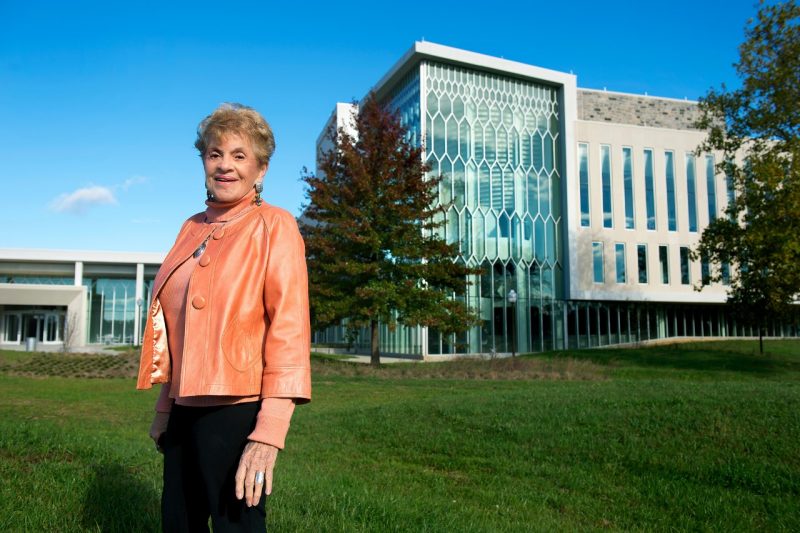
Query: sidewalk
{"points": [[364, 357], [361, 358]]}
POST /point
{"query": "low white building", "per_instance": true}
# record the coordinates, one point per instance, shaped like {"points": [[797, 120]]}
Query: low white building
{"points": [[49, 297]]}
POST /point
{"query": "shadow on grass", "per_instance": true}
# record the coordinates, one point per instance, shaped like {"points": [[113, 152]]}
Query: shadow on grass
{"points": [[119, 501], [701, 357]]}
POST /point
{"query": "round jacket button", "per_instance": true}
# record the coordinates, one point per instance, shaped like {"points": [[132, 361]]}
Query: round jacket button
{"points": [[204, 260], [220, 233], [198, 302]]}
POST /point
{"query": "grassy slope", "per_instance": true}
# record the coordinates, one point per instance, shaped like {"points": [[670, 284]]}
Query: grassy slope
{"points": [[697, 436]]}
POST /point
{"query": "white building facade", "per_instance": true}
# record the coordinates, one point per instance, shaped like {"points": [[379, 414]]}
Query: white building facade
{"points": [[49, 298], [584, 203]]}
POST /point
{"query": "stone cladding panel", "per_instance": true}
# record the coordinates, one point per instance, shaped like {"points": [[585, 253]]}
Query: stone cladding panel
{"points": [[648, 111]]}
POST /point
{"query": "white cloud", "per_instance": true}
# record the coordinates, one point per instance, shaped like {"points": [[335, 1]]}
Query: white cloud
{"points": [[80, 200], [133, 180]]}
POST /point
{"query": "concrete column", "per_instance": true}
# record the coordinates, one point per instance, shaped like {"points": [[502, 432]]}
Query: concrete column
{"points": [[76, 312], [423, 337], [139, 302], [78, 273]]}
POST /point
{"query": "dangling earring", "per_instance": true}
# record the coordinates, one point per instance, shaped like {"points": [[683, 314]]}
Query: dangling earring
{"points": [[258, 186], [209, 196]]}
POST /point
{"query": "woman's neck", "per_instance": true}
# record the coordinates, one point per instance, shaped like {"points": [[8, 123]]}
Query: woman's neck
{"points": [[225, 211]]}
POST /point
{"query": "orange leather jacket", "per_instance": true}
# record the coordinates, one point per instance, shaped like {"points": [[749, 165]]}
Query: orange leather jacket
{"points": [[247, 320]]}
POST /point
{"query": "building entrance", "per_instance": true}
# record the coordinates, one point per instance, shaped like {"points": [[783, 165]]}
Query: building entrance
{"points": [[45, 326]]}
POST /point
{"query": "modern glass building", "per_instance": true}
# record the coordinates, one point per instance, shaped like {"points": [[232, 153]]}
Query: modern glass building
{"points": [[583, 203], [78, 298]]}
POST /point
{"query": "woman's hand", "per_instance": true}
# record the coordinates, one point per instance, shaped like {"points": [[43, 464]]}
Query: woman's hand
{"points": [[158, 428], [256, 457]]}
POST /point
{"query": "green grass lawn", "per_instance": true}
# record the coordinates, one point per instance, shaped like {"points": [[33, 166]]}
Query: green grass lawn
{"points": [[702, 436]]}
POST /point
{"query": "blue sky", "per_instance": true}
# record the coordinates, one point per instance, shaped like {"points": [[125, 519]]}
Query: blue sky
{"points": [[99, 101]]}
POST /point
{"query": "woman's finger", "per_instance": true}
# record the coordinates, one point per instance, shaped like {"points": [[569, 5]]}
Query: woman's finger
{"points": [[258, 484], [241, 473], [255, 472], [263, 468]]}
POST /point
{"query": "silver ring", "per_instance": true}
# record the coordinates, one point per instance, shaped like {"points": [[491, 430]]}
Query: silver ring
{"points": [[259, 478]]}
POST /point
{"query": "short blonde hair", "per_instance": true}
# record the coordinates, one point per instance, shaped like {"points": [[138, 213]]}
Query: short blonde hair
{"points": [[241, 120]]}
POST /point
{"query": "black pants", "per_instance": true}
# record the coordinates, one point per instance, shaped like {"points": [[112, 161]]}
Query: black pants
{"points": [[202, 448]]}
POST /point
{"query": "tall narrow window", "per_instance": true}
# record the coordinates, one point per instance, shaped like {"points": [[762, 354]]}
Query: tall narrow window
{"points": [[691, 191], [641, 260], [649, 189], [725, 273], [686, 277], [619, 252], [583, 172], [669, 163], [597, 261], [627, 180], [705, 269], [663, 261], [605, 172], [731, 188], [711, 189]]}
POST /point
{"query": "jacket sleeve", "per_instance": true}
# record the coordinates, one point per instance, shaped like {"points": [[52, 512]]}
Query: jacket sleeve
{"points": [[287, 349]]}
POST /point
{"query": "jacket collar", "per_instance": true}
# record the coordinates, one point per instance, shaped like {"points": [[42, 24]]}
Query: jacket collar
{"points": [[226, 211]]}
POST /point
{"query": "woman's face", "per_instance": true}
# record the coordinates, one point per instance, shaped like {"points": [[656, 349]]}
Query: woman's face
{"points": [[231, 167]]}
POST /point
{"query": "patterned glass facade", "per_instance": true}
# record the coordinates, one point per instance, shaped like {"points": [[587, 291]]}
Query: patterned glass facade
{"points": [[495, 140]]}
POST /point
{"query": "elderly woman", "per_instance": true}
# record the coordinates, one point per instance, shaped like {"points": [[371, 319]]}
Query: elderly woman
{"points": [[227, 336]]}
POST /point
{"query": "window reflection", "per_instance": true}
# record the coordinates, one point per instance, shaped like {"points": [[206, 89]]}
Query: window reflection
{"points": [[649, 190], [672, 222], [627, 180]]}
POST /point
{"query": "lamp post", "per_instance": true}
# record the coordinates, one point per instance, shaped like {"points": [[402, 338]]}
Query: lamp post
{"points": [[512, 302], [138, 328]]}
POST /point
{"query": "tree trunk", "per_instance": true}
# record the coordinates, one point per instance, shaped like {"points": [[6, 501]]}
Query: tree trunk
{"points": [[761, 340], [375, 354]]}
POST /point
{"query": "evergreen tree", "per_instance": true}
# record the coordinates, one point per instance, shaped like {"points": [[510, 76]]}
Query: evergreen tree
{"points": [[374, 252], [757, 130]]}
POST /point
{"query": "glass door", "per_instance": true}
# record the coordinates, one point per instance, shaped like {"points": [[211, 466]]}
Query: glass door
{"points": [[52, 328], [32, 325], [12, 328]]}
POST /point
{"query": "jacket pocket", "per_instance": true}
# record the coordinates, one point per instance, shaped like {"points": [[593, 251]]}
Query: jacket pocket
{"points": [[240, 347]]}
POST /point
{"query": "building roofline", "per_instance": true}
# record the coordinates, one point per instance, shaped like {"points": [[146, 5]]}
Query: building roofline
{"points": [[428, 50], [604, 91], [86, 256]]}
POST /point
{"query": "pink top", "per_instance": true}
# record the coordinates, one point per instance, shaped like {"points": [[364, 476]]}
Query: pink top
{"points": [[272, 422]]}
